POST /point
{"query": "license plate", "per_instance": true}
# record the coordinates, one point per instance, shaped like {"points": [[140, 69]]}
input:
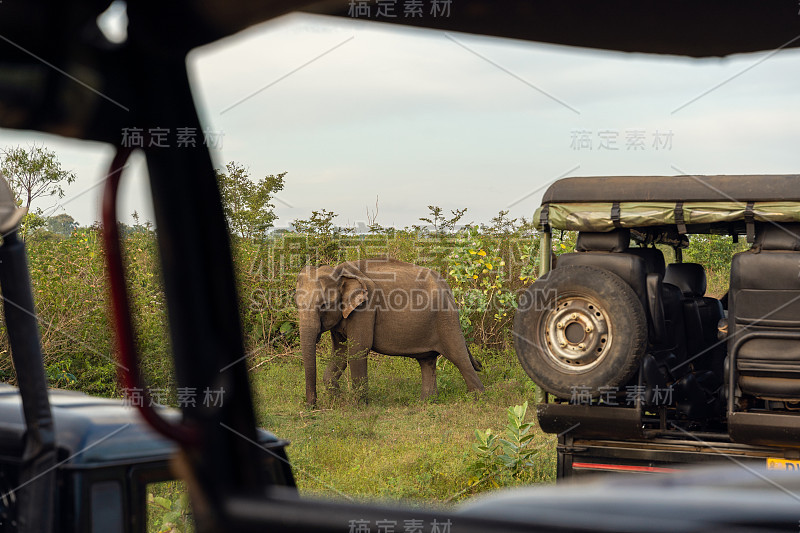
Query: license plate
{"points": [[774, 463]]}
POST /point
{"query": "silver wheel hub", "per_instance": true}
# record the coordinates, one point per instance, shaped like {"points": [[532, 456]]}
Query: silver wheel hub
{"points": [[577, 334]]}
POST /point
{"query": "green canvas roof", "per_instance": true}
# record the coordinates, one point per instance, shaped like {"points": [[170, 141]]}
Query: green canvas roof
{"points": [[702, 202]]}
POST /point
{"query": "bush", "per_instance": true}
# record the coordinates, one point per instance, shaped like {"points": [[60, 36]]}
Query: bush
{"points": [[70, 294], [505, 459]]}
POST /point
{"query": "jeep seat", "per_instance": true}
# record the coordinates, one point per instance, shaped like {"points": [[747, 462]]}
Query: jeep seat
{"points": [[608, 251], [653, 259], [674, 340], [701, 313], [764, 312]]}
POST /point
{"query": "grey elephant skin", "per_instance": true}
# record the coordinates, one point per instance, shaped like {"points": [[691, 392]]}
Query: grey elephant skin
{"points": [[383, 305]]}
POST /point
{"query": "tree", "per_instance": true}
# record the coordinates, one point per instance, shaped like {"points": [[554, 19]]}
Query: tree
{"points": [[323, 237], [31, 223], [138, 227], [320, 223], [246, 202], [62, 224], [438, 219], [33, 172]]}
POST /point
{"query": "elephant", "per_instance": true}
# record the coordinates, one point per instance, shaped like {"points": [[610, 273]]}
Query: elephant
{"points": [[383, 305]]}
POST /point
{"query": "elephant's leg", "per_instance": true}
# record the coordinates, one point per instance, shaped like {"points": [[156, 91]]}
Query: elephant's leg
{"points": [[428, 367], [358, 328], [359, 342], [357, 358], [338, 363]]}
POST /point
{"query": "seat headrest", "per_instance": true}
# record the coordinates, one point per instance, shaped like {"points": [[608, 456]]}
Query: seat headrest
{"points": [[610, 241], [778, 237], [690, 278], [653, 259]]}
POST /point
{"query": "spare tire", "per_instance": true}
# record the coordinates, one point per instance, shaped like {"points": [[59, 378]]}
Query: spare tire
{"points": [[580, 327]]}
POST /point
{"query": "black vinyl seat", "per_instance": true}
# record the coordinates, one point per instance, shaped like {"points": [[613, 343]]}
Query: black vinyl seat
{"points": [[705, 353], [608, 251], [764, 314], [653, 259], [698, 389], [674, 336], [701, 313]]}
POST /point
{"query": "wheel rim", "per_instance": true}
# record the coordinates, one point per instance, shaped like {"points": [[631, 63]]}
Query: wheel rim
{"points": [[577, 334]]}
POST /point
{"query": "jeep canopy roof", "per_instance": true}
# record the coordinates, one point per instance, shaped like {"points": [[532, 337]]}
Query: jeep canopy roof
{"points": [[695, 204]]}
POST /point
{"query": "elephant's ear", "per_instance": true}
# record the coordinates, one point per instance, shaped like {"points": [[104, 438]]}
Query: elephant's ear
{"points": [[354, 293]]}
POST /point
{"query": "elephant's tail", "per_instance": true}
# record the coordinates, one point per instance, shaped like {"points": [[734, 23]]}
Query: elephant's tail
{"points": [[475, 363]]}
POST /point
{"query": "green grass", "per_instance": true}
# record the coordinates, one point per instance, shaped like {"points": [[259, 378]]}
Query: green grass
{"points": [[397, 446]]}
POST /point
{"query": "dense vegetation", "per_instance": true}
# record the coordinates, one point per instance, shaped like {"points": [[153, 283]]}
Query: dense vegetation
{"points": [[485, 267]]}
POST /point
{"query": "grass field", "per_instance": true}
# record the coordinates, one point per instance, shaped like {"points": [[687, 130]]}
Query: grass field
{"points": [[396, 446]]}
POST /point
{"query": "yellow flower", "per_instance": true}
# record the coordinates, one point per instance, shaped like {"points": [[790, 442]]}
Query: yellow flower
{"points": [[473, 252], [563, 246], [484, 271], [473, 277], [502, 263], [481, 253], [489, 266], [522, 278]]}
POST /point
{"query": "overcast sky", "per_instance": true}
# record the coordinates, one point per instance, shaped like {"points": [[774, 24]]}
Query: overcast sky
{"points": [[419, 117]]}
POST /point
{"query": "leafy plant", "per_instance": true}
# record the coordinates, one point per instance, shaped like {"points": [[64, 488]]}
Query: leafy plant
{"points": [[31, 223], [505, 459], [516, 454], [486, 464], [170, 512], [60, 376], [479, 287]]}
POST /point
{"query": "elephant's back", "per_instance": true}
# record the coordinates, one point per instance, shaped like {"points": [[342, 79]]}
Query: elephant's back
{"points": [[387, 271], [378, 265]]}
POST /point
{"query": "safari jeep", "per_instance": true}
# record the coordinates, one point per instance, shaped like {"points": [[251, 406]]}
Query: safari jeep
{"points": [[645, 372]]}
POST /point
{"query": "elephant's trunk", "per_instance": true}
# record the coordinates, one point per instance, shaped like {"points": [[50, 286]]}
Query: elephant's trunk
{"points": [[309, 334]]}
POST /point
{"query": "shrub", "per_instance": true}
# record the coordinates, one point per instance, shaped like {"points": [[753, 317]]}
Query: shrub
{"points": [[70, 294], [505, 459]]}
